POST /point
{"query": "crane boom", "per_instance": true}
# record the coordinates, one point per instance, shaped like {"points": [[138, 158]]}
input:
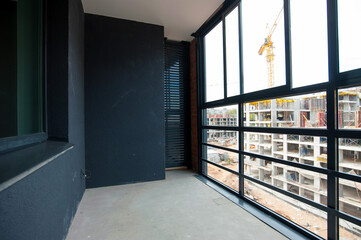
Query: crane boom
{"points": [[275, 23], [268, 44]]}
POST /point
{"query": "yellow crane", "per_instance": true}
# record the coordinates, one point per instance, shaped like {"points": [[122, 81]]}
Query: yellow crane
{"points": [[268, 45]]}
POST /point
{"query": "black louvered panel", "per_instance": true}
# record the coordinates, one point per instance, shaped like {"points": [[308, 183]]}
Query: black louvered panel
{"points": [[176, 81]]}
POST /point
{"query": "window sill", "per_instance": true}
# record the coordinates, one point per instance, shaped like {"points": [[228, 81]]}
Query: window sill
{"points": [[18, 164], [10, 144], [262, 216]]}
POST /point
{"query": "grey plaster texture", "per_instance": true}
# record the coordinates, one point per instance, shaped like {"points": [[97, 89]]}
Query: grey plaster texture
{"points": [[180, 207]]}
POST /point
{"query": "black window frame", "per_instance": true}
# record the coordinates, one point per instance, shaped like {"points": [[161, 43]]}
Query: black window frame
{"points": [[336, 81], [12, 143]]}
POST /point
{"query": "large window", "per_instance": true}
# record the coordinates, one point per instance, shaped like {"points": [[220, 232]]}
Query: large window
{"points": [[289, 139], [21, 68]]}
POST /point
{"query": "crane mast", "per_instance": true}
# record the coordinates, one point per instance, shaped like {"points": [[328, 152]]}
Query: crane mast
{"points": [[268, 46]]}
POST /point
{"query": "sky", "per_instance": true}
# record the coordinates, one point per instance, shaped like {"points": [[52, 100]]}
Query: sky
{"points": [[256, 16], [214, 64], [349, 22], [308, 41]]}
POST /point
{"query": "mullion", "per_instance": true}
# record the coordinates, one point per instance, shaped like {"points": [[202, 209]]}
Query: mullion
{"points": [[240, 106], [220, 147], [220, 166], [288, 50], [347, 176], [332, 158], [241, 83], [282, 91], [224, 57], [288, 163], [349, 76], [275, 92], [332, 144], [348, 217], [227, 101], [346, 133], [241, 149], [321, 132], [229, 128], [202, 74]]}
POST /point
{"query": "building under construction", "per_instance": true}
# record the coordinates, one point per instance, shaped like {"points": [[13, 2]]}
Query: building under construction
{"points": [[307, 111]]}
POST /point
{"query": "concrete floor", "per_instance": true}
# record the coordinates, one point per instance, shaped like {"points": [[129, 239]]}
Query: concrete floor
{"points": [[180, 207]]}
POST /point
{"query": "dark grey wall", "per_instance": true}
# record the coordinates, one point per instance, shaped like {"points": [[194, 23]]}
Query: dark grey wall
{"points": [[57, 69], [124, 112], [42, 205], [76, 113]]}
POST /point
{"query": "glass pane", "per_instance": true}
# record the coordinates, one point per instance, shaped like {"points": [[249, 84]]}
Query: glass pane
{"points": [[221, 157], [349, 231], [309, 150], [263, 44], [214, 64], [260, 143], [309, 42], [350, 155], [300, 213], [350, 197], [223, 138], [222, 116], [303, 111], [21, 66], [232, 53], [305, 183], [229, 179], [348, 36], [349, 108]]}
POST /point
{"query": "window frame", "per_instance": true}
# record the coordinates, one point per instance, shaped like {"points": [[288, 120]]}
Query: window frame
{"points": [[336, 81]]}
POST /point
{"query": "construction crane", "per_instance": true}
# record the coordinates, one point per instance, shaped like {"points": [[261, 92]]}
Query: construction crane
{"points": [[268, 45]]}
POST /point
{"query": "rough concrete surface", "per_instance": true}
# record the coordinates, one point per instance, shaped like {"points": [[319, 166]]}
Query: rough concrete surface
{"points": [[180, 207]]}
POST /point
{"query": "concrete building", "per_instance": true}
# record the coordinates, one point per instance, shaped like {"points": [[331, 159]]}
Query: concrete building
{"points": [[304, 111]]}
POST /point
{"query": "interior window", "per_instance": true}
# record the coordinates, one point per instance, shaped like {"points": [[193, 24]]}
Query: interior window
{"points": [[21, 68]]}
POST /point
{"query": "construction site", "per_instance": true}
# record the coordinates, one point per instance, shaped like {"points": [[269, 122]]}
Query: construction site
{"points": [[306, 111]]}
